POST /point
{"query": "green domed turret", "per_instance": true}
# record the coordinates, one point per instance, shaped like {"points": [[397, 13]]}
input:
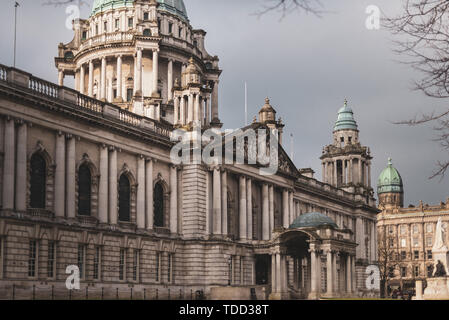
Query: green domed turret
{"points": [[345, 120], [390, 180], [390, 188], [175, 7]]}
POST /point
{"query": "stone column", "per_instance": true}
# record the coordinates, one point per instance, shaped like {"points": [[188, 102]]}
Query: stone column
{"points": [[138, 77], [224, 202], [196, 109], [335, 173], [283, 274], [21, 169], [149, 194], [249, 208], [60, 175], [344, 171], [207, 107], [170, 80], [350, 174], [90, 88], [373, 241], [103, 79], [140, 192], [103, 185], [173, 199], [313, 271], [155, 72], [110, 97], [176, 110], [273, 273], [119, 77], [265, 213], [278, 273], [190, 109], [60, 78], [242, 209], [285, 209], [292, 212], [271, 204], [348, 274], [324, 172], [353, 275], [369, 173], [183, 110], [82, 77], [113, 213], [217, 201], [360, 180], [215, 101], [330, 275], [70, 177]]}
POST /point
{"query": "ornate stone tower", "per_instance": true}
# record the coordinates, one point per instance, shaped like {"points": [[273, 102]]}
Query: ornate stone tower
{"points": [[267, 115], [390, 188], [346, 163]]}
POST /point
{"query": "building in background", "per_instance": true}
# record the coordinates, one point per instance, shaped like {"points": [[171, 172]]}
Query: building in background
{"points": [[408, 232], [87, 179]]}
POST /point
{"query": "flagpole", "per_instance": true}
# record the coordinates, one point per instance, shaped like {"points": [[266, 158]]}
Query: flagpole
{"points": [[15, 31], [246, 104]]}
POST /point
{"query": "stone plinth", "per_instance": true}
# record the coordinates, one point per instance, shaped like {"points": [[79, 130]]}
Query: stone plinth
{"points": [[437, 289], [440, 255]]}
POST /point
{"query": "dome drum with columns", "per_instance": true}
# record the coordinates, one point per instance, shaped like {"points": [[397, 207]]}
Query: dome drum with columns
{"points": [[134, 54], [346, 163]]}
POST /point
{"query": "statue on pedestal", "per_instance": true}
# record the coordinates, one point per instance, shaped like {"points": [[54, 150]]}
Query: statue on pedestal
{"points": [[440, 270]]}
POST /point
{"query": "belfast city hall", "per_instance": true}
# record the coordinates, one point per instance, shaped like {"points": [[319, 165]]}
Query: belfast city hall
{"points": [[87, 180]]}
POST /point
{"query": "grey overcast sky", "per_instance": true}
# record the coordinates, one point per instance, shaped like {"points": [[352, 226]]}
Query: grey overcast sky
{"points": [[306, 65]]}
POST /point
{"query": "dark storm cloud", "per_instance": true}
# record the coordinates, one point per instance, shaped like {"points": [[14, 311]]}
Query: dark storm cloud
{"points": [[306, 65]]}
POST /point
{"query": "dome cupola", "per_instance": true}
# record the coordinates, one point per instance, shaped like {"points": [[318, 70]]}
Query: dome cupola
{"points": [[345, 120], [390, 188]]}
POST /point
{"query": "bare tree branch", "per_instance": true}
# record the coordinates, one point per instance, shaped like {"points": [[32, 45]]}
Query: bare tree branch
{"points": [[424, 24], [286, 7]]}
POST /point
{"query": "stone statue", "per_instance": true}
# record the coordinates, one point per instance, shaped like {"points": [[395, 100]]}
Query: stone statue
{"points": [[439, 236], [440, 270]]}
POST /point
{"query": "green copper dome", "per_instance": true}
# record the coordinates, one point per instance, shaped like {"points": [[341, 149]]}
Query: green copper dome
{"points": [[345, 120], [313, 220], [390, 180], [176, 7]]}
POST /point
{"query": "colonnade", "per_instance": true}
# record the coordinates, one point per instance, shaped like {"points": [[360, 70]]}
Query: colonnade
{"points": [[245, 218], [192, 107], [351, 171], [14, 191]]}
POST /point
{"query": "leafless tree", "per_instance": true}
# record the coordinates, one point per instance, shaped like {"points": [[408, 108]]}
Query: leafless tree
{"points": [[423, 28], [387, 259]]}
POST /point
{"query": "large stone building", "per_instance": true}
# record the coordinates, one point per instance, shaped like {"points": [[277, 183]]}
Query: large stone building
{"points": [[87, 179], [407, 234]]}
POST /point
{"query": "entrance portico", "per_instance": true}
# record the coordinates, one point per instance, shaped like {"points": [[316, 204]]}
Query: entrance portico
{"points": [[312, 260]]}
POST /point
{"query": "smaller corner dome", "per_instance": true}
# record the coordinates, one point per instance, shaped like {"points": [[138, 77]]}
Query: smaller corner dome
{"points": [[390, 180], [313, 220], [103, 5], [345, 120], [176, 7]]}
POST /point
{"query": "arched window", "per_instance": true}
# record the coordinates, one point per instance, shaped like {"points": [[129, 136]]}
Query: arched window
{"points": [[159, 205], [124, 199], [38, 175], [84, 190], [147, 33]]}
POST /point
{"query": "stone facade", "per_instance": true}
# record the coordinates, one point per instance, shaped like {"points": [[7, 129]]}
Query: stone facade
{"points": [[87, 180]]}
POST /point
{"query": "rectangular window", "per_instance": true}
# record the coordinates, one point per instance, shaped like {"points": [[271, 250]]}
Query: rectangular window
{"points": [[136, 265], [32, 258], [429, 228], [416, 255], [122, 265], [145, 16], [403, 272], [117, 23], [403, 243], [96, 30], [51, 259], [130, 22], [158, 266], [390, 229], [403, 255], [391, 243], [129, 95], [170, 28], [415, 242], [429, 254], [84, 37], [180, 32], [403, 229], [429, 241], [415, 228], [416, 271], [97, 262], [105, 27], [81, 259]]}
